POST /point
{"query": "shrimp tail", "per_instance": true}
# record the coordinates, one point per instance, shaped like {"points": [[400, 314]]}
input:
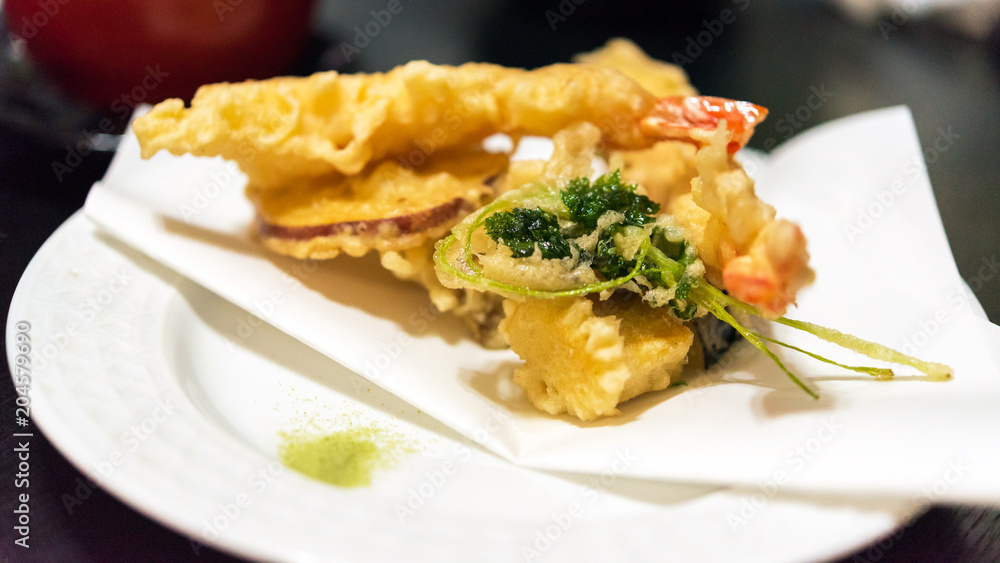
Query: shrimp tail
{"points": [[695, 118]]}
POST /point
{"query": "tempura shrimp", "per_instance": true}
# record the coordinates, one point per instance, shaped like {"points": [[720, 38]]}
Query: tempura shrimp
{"points": [[767, 263]]}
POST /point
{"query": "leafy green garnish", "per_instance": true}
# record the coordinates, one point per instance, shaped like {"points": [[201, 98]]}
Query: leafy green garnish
{"points": [[606, 259], [487, 284], [683, 307], [674, 249], [586, 202], [522, 229]]}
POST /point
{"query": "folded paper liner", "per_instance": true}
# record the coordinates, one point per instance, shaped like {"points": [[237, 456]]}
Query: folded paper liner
{"points": [[859, 189]]}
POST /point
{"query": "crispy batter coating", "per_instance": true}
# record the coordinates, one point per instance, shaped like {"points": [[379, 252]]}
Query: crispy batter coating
{"points": [[398, 211], [286, 129], [387, 207], [664, 171], [770, 263], [758, 258], [573, 152], [480, 311], [660, 78], [584, 363], [572, 157], [283, 130]]}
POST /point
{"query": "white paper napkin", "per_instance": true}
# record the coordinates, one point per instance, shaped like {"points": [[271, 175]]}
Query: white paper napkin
{"points": [[884, 272]]}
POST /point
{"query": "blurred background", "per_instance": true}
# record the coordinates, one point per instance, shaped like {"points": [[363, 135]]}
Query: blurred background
{"points": [[71, 71]]}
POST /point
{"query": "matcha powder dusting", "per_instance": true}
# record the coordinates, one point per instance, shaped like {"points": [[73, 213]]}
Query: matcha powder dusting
{"points": [[346, 458]]}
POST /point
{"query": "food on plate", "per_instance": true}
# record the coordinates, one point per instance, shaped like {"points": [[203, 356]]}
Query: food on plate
{"points": [[659, 78], [620, 349], [389, 207], [345, 458], [349, 163], [601, 282], [395, 210], [559, 250], [281, 131]]}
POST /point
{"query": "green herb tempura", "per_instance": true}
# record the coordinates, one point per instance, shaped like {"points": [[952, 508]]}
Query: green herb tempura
{"points": [[603, 236]]}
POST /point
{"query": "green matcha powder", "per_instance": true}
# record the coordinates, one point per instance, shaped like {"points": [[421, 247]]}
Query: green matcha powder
{"points": [[346, 458]]}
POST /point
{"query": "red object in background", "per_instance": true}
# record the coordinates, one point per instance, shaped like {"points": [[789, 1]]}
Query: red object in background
{"points": [[117, 53]]}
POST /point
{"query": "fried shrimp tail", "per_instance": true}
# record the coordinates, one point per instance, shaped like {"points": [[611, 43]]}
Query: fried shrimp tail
{"points": [[695, 119], [773, 271]]}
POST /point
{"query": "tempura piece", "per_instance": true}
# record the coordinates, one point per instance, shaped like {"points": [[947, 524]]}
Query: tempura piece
{"points": [[756, 257], [664, 171], [294, 128], [764, 260], [281, 131], [480, 311], [395, 210], [581, 362], [390, 207], [659, 78]]}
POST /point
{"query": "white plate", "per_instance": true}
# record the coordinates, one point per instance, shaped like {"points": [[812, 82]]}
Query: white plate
{"points": [[137, 384]]}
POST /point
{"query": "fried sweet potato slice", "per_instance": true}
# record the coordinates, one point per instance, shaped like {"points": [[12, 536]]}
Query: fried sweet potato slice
{"points": [[391, 207]]}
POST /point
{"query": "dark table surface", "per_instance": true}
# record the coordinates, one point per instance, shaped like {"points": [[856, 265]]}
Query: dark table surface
{"points": [[774, 53]]}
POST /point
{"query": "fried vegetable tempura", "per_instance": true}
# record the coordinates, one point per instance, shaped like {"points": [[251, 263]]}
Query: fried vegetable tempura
{"points": [[387, 207], [581, 362], [283, 130]]}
